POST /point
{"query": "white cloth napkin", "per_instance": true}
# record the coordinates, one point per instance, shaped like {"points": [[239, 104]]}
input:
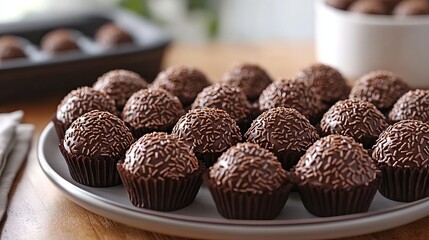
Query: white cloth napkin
{"points": [[15, 141]]}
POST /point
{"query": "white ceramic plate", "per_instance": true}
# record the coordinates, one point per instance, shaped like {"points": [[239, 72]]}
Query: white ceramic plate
{"points": [[201, 220]]}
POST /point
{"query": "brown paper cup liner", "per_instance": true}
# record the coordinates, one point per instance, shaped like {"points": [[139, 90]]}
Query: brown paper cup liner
{"points": [[161, 195], [94, 172], [60, 128], [209, 158], [248, 206], [289, 159], [404, 184], [335, 202]]}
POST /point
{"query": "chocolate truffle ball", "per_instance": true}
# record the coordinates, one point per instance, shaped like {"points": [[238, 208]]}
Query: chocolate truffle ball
{"points": [[59, 41], [250, 78], [283, 131], [150, 110], [93, 145], [354, 118], [248, 168], [381, 88], [79, 102], [402, 154], [208, 132], [369, 7], [10, 48], [327, 81], [336, 168], [183, 82], [412, 105], [120, 85], [228, 98], [412, 7], [160, 173], [291, 93], [111, 35], [340, 4], [160, 156]]}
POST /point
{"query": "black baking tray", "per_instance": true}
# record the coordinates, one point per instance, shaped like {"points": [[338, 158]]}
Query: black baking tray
{"points": [[40, 74]]}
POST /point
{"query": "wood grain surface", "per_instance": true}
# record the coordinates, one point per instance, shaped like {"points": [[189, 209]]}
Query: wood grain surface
{"points": [[37, 210]]}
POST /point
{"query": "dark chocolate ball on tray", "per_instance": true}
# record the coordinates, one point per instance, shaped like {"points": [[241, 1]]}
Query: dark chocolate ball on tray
{"points": [[283, 131], [369, 7], [59, 41], [151, 110], [402, 154], [354, 118], [182, 81], [412, 105], [340, 4], [228, 98], [412, 7], [381, 88], [120, 85], [292, 93], [327, 81], [208, 132], [10, 48], [336, 169], [110, 35], [250, 78]]}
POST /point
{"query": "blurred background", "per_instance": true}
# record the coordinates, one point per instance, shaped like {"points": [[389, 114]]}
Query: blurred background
{"points": [[193, 21]]}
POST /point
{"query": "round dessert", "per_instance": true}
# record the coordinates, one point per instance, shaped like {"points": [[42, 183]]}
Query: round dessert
{"points": [[369, 7], [228, 98], [327, 81], [92, 147], [292, 93], [111, 35], [59, 41], [336, 169], [412, 105], [160, 173], [120, 85], [402, 154], [10, 48], [78, 102], [208, 132], [381, 88], [183, 82], [354, 118], [244, 177], [412, 7], [151, 110], [285, 132], [340, 4], [250, 78]]}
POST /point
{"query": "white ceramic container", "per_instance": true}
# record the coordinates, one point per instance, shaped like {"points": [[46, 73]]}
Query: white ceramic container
{"points": [[358, 43]]}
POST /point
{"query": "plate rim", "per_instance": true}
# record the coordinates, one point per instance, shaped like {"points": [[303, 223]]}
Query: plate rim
{"points": [[290, 227]]}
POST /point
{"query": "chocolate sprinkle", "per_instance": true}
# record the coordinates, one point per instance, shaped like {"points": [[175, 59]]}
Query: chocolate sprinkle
{"points": [[97, 134], [291, 93], [248, 168], [182, 81], [226, 97], [250, 78], [412, 105], [282, 129], [381, 88], [336, 162], [207, 130], [160, 156], [120, 85], [152, 109], [83, 100], [327, 81], [404, 144], [354, 118]]}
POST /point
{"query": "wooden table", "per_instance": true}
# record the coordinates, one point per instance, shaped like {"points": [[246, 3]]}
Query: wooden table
{"points": [[37, 210]]}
